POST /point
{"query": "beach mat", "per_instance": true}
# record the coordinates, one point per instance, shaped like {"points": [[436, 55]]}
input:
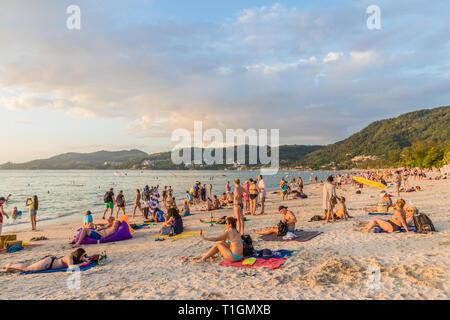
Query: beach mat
{"points": [[300, 236], [30, 246], [380, 213], [379, 230], [275, 254], [90, 266], [271, 264], [185, 234]]}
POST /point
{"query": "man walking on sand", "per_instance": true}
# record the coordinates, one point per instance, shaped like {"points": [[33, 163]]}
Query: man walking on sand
{"points": [[109, 202], [262, 192]]}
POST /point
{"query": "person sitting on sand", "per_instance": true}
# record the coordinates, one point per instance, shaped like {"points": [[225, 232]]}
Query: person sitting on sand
{"points": [[174, 221], [185, 208], [288, 218], [342, 212], [229, 244], [216, 203], [100, 233], [395, 223], [386, 203], [88, 221], [208, 205], [76, 258], [223, 200]]}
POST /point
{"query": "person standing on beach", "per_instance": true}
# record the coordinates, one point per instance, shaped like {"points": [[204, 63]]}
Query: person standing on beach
{"points": [[315, 179], [262, 192], [210, 190], [120, 200], [238, 204], [137, 203], [2, 213], [109, 202], [329, 198], [397, 182], [32, 203]]}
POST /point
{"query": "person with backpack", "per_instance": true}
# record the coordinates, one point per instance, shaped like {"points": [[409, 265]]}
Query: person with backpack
{"points": [[120, 200], [229, 244], [285, 228], [33, 205], [109, 200]]}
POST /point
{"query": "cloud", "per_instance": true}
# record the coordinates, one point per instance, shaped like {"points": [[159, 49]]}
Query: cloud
{"points": [[310, 72]]}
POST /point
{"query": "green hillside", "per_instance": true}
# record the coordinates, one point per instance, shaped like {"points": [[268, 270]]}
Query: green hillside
{"points": [[95, 160], [389, 140]]}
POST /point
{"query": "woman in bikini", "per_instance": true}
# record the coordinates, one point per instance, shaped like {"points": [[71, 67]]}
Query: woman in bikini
{"points": [[395, 223], [229, 244], [253, 194], [238, 205], [77, 257], [137, 203]]}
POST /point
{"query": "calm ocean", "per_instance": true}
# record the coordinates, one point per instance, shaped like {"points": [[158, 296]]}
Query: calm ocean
{"points": [[63, 194]]}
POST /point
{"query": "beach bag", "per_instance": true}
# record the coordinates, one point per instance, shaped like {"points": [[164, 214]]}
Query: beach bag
{"points": [[247, 243], [107, 197], [166, 231], [282, 229], [316, 218], [423, 223], [160, 216]]}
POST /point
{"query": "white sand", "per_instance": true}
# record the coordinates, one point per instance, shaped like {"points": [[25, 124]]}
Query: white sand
{"points": [[331, 266]]}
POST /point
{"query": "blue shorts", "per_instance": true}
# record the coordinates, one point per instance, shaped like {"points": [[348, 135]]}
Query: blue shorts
{"points": [[33, 212], [94, 235]]}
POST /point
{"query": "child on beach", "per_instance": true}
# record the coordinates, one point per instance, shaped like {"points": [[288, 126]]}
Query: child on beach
{"points": [[88, 220]]}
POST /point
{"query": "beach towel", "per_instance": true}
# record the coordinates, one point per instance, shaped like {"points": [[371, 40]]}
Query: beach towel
{"points": [[379, 230], [380, 213], [143, 226], [300, 236], [123, 233], [25, 247], [275, 254], [272, 263], [90, 266], [185, 234]]}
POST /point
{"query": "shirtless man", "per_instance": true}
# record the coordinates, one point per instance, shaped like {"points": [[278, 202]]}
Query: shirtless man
{"points": [[288, 218], [238, 205], [100, 233]]}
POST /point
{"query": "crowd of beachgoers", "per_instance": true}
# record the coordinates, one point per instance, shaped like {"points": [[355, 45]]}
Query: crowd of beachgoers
{"points": [[160, 206]]}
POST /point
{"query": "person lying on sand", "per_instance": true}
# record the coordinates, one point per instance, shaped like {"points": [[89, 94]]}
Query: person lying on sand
{"points": [[221, 220], [100, 233], [288, 218], [395, 223], [229, 244], [76, 258]]}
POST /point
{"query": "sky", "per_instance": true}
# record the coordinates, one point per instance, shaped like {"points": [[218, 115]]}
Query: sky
{"points": [[139, 69]]}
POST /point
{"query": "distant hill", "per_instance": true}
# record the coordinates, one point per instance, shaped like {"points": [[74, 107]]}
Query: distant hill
{"points": [[386, 139], [95, 160]]}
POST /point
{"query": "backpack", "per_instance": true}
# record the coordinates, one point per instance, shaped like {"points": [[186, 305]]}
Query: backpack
{"points": [[247, 242], [107, 197], [423, 223], [146, 196], [282, 229]]}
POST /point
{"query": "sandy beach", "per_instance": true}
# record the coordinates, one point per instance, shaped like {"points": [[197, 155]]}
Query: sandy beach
{"points": [[331, 266]]}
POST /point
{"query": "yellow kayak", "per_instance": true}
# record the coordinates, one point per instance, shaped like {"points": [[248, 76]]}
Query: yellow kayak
{"points": [[370, 183]]}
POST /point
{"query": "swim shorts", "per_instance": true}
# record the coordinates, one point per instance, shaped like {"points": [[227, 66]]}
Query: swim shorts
{"points": [[109, 205], [94, 235]]}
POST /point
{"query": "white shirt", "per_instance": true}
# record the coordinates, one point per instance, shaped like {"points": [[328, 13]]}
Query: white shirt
{"points": [[262, 185]]}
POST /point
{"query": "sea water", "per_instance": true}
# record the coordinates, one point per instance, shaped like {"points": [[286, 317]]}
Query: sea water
{"points": [[67, 194]]}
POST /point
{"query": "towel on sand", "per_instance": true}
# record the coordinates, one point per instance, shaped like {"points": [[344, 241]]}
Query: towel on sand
{"points": [[92, 265], [272, 263], [379, 230], [380, 213], [185, 234], [300, 236], [25, 247], [275, 254]]}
